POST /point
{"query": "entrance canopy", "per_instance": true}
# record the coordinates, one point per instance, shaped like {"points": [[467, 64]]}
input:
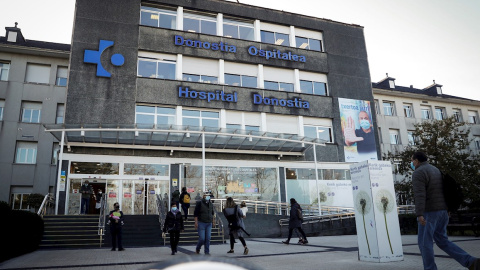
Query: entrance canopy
{"points": [[182, 138]]}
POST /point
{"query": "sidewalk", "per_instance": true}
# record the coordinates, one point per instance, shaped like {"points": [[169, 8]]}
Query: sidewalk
{"points": [[327, 252]]}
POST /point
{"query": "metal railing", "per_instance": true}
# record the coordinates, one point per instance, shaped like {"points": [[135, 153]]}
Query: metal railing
{"points": [[219, 223], [101, 218], [48, 205], [406, 209], [162, 213]]}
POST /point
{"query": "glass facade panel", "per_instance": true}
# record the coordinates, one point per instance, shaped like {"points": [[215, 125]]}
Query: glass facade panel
{"points": [[270, 85], [147, 69], [246, 33], [301, 42], [230, 30], [4, 69], [232, 79], [320, 88], [191, 78], [168, 21], [249, 81], [209, 27], [282, 39], [166, 70], [267, 37], [191, 25], [288, 87], [94, 168], [306, 87], [315, 45], [149, 18]]}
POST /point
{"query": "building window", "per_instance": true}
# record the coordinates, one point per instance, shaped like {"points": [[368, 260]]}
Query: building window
{"points": [[476, 141], [60, 113], [154, 115], [2, 106], [457, 113], [55, 151], [200, 118], [252, 128], [37, 73], [288, 87], [426, 112], [158, 17], [440, 113], [388, 108], [31, 112], [408, 110], [234, 126], [411, 138], [19, 201], [394, 136], [236, 29], [391, 83], [160, 69], [316, 88], [377, 107], [26, 152], [200, 78], [199, 24], [241, 80], [322, 133], [4, 69], [473, 117], [275, 38], [62, 74], [308, 43]]}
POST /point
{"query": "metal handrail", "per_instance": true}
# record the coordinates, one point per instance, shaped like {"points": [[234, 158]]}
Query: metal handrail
{"points": [[101, 218], [47, 203], [218, 222], [162, 213], [314, 219]]}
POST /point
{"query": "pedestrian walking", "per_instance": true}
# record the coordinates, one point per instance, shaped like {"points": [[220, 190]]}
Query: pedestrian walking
{"points": [[185, 201], [432, 215], [173, 225], [295, 222], [176, 196], [115, 219], [87, 191], [236, 227], [204, 215]]}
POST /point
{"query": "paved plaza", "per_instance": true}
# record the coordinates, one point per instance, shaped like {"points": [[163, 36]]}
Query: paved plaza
{"points": [[327, 252]]}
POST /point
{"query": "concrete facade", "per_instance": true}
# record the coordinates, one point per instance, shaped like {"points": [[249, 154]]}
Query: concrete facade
{"points": [[37, 177]]}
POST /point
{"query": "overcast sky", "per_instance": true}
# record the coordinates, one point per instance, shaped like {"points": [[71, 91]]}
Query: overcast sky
{"points": [[414, 41]]}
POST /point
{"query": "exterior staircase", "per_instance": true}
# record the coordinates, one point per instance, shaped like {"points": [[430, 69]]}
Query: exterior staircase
{"points": [[71, 231]]}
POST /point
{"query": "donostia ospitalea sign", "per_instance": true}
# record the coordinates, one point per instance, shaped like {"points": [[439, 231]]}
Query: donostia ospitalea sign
{"points": [[220, 95]]}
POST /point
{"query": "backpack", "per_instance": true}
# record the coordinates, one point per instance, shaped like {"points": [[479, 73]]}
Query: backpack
{"points": [[233, 223], [452, 192], [233, 220], [186, 198]]}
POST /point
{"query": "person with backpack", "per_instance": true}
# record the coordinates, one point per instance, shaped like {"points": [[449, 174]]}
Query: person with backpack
{"points": [[236, 228], [176, 196], [432, 215], [295, 222], [173, 225], [185, 201]]}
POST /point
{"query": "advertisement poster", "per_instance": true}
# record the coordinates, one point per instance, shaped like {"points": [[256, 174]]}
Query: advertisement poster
{"points": [[358, 130], [378, 230], [336, 193], [190, 189], [127, 195], [112, 194]]}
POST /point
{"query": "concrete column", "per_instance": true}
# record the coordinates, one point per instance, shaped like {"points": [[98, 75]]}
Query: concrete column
{"points": [[179, 67], [263, 127], [221, 71], [260, 76], [219, 24], [180, 18], [256, 29], [292, 37], [297, 81], [178, 113]]}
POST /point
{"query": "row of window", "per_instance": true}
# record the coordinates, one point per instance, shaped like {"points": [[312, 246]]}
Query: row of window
{"points": [[425, 112], [36, 73], [232, 27], [157, 115], [31, 112], [166, 69]]}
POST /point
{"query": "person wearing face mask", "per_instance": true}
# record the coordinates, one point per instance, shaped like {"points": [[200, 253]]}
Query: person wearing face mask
{"points": [[363, 137], [98, 199], [204, 215], [173, 225], [432, 215], [86, 190], [115, 219]]}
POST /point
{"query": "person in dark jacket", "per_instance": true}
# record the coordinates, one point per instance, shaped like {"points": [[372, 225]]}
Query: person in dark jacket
{"points": [[185, 202], [231, 208], [86, 190], [115, 219], [295, 222], [173, 225], [176, 196], [204, 215], [432, 215]]}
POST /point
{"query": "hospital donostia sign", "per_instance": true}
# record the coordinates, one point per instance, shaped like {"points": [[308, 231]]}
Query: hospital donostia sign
{"points": [[252, 50]]}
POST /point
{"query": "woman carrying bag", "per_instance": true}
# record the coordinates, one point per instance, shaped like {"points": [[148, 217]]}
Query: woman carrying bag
{"points": [[173, 225], [236, 228], [295, 222]]}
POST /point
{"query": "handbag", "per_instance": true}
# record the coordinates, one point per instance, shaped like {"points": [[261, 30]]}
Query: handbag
{"points": [[299, 214]]}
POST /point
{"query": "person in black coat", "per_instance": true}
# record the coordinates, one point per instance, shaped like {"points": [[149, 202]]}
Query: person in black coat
{"points": [[173, 225], [295, 222], [115, 219], [184, 197]]}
